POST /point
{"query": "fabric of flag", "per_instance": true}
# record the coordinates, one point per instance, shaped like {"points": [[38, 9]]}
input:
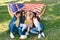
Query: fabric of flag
{"points": [[27, 7], [13, 7], [33, 7]]}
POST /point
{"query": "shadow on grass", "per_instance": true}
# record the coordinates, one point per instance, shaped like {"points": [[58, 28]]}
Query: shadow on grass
{"points": [[53, 8], [4, 15], [6, 35]]}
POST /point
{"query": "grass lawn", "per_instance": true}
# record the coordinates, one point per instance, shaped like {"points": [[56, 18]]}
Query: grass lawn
{"points": [[51, 21]]}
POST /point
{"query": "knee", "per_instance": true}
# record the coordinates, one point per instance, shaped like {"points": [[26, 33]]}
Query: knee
{"points": [[24, 26], [12, 26], [19, 29], [41, 26]]}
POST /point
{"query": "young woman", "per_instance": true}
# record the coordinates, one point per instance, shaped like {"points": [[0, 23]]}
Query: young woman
{"points": [[29, 22], [14, 23]]}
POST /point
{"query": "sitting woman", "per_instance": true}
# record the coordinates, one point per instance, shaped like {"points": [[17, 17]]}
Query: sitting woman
{"points": [[40, 28], [14, 23], [37, 23], [29, 22], [13, 8], [34, 25]]}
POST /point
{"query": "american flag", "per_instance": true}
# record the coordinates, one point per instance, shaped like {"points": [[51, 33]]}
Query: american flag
{"points": [[27, 7]]}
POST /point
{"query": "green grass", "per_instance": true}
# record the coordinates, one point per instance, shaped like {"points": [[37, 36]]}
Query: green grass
{"points": [[51, 21]]}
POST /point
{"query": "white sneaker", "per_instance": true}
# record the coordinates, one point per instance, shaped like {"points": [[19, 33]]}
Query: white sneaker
{"points": [[11, 35], [27, 33], [39, 36], [23, 37], [42, 34]]}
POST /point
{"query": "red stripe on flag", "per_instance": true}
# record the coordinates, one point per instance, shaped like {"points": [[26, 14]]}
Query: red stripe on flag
{"points": [[33, 7]]}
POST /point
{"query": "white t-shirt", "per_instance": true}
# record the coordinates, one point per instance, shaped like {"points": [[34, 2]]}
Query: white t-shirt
{"points": [[36, 23]]}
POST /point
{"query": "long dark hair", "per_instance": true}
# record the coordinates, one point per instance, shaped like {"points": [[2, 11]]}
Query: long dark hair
{"points": [[22, 12], [34, 14], [18, 12]]}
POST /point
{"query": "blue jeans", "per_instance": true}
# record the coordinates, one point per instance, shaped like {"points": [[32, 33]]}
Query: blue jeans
{"points": [[35, 30], [20, 31], [13, 27], [22, 28]]}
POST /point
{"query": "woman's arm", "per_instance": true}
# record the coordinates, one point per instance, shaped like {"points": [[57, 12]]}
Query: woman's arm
{"points": [[10, 12], [42, 13]]}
